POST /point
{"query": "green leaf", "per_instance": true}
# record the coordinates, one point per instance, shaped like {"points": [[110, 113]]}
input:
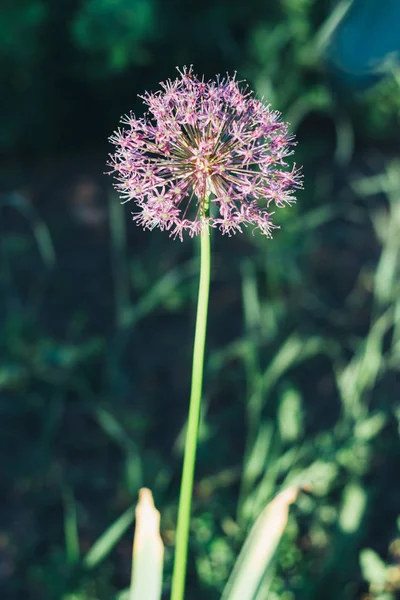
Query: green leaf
{"points": [[70, 526], [353, 508], [290, 415], [148, 551], [373, 568], [108, 539], [259, 548]]}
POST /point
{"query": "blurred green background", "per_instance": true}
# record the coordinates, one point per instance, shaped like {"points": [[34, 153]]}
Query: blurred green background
{"points": [[302, 375]]}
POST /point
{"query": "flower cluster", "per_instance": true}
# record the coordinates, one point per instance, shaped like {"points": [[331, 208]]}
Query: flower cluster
{"points": [[205, 154]]}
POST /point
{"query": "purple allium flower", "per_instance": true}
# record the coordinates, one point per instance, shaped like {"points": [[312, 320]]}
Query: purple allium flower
{"points": [[205, 153]]}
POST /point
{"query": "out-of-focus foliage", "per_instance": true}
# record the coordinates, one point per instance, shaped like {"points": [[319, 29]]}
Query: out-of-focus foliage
{"points": [[20, 55], [117, 32], [383, 576]]}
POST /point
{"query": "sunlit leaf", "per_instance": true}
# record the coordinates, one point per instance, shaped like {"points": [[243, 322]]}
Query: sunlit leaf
{"points": [[259, 548], [148, 551]]}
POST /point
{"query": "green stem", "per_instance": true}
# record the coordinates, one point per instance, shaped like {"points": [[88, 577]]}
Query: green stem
{"points": [[185, 500]]}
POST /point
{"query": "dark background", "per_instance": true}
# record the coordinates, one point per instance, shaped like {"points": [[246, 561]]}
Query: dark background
{"points": [[97, 316]]}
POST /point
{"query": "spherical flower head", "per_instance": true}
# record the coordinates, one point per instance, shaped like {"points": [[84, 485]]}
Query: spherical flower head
{"points": [[205, 154]]}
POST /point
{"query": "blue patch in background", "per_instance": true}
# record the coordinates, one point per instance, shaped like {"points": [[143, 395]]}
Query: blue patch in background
{"points": [[366, 43]]}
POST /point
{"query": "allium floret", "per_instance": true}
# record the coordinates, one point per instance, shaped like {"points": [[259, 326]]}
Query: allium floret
{"points": [[206, 153]]}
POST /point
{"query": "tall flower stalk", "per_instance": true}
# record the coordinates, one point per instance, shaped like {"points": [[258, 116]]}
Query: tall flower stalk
{"points": [[206, 155], [185, 501]]}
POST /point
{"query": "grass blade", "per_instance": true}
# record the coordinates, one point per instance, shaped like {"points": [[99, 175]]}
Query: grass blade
{"points": [[259, 548], [148, 551], [70, 526], [108, 539]]}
